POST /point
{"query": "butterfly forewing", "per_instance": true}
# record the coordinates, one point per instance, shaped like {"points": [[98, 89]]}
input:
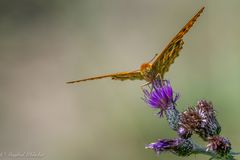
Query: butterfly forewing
{"points": [[163, 61]]}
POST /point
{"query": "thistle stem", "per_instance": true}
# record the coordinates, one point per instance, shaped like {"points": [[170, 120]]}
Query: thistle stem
{"points": [[197, 149]]}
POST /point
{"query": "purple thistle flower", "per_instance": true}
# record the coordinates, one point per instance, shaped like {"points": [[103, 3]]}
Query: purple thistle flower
{"points": [[160, 96], [162, 145], [182, 147]]}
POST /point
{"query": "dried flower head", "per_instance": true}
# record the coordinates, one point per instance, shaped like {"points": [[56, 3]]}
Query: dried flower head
{"points": [[205, 109], [160, 96], [209, 126], [190, 120], [218, 144], [201, 120]]}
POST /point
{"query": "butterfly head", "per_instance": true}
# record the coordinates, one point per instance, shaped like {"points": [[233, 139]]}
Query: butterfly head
{"points": [[146, 71]]}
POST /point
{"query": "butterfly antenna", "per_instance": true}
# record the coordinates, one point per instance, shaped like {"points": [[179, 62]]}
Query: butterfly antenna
{"points": [[153, 58]]}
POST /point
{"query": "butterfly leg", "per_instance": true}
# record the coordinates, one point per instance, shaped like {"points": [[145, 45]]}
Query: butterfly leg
{"points": [[145, 84], [150, 84], [160, 78]]}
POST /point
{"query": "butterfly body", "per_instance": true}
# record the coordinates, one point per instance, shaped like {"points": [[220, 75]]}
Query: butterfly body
{"points": [[147, 72], [159, 65]]}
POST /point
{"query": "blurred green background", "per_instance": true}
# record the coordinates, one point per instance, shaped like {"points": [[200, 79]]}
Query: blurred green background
{"points": [[45, 43]]}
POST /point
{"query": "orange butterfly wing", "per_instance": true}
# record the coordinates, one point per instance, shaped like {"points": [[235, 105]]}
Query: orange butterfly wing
{"points": [[162, 62], [117, 76]]}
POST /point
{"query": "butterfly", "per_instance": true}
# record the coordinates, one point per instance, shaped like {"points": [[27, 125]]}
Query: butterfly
{"points": [[159, 65]]}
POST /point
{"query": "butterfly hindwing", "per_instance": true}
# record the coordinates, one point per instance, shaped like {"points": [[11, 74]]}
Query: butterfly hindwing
{"points": [[134, 75], [116, 76]]}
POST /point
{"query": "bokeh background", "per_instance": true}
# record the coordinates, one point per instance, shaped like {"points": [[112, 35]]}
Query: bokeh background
{"points": [[45, 43]]}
